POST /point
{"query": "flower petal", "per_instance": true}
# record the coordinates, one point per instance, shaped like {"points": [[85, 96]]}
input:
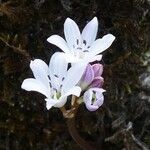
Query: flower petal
{"points": [[98, 69], [58, 69], [90, 31], [97, 82], [63, 99], [31, 84], [87, 77], [73, 76], [59, 42], [72, 33], [102, 44], [61, 102], [50, 102], [55, 82], [91, 58], [58, 65], [98, 90], [100, 99], [40, 71]]}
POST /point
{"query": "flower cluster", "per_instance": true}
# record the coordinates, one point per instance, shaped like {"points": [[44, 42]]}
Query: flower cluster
{"points": [[91, 82], [82, 79]]}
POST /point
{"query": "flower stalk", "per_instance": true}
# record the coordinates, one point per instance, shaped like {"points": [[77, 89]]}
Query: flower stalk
{"points": [[71, 124]]}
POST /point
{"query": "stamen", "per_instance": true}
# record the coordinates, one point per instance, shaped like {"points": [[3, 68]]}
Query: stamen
{"points": [[85, 51], [55, 75], [77, 41], [50, 85], [63, 78], [84, 42], [49, 77], [94, 92], [88, 47], [79, 48], [55, 89], [93, 98]]}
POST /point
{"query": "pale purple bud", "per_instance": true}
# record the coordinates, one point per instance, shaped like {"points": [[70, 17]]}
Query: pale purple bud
{"points": [[98, 69], [97, 82], [87, 77], [93, 98]]}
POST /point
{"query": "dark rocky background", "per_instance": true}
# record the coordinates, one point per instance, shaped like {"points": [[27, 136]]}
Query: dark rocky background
{"points": [[123, 122]]}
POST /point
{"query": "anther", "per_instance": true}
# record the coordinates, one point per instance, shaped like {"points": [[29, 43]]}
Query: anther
{"points": [[55, 75], [85, 51], [79, 48], [55, 89], [49, 77], [50, 85], [77, 41], [84, 42]]}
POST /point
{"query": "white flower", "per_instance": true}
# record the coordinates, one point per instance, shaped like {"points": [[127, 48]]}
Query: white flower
{"points": [[55, 81], [82, 46]]}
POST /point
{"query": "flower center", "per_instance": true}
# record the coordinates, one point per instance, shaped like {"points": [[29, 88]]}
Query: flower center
{"points": [[56, 95], [79, 54], [93, 97], [80, 49]]}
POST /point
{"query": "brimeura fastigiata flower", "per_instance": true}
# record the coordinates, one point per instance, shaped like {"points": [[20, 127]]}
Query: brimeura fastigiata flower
{"points": [[82, 46], [55, 81]]}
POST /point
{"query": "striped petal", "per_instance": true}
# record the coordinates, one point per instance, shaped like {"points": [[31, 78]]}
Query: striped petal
{"points": [[90, 31], [72, 34]]}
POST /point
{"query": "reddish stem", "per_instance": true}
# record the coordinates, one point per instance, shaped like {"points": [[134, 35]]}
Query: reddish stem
{"points": [[75, 135], [70, 116]]}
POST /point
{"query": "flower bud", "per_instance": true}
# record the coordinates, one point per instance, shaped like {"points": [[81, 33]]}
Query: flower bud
{"points": [[97, 82], [98, 69], [93, 98], [87, 77]]}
